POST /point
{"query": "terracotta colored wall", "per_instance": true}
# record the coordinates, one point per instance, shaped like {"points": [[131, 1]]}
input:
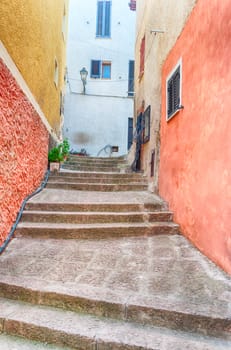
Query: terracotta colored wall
{"points": [[23, 149], [195, 165]]}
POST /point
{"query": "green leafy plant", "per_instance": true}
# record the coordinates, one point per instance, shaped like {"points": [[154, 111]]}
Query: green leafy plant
{"points": [[55, 154], [65, 147]]}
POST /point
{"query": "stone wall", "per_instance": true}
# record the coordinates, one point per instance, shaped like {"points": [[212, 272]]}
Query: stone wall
{"points": [[23, 149]]}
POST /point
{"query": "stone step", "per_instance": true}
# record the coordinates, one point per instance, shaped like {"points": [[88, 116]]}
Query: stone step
{"points": [[97, 163], [77, 331], [94, 207], [107, 160], [66, 328], [93, 231], [100, 175], [94, 217], [8, 342], [105, 187], [95, 167], [98, 180]]}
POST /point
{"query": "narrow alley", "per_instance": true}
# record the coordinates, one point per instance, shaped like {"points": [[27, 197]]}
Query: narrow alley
{"points": [[115, 175]]}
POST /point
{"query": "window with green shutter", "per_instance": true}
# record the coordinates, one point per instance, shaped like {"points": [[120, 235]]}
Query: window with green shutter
{"points": [[174, 91]]}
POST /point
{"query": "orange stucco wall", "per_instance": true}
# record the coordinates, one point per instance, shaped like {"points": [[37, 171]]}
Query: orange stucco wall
{"points": [[23, 149], [195, 154]]}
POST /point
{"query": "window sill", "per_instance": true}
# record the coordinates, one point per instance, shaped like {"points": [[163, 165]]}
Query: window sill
{"points": [[103, 37], [173, 115]]}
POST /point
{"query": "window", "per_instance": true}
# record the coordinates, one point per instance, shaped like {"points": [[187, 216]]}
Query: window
{"points": [[106, 70], [173, 93], [146, 124], [142, 57], [131, 78], [95, 69], [103, 26], [132, 5], [56, 73], [100, 69]]}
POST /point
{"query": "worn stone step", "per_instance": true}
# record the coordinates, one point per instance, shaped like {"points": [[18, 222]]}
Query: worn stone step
{"points": [[9, 342], [93, 207], [65, 328], [89, 231], [97, 163], [94, 217], [97, 187], [109, 160], [98, 180], [100, 175], [94, 168], [78, 331]]}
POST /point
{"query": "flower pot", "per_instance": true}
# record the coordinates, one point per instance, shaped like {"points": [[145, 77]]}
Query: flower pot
{"points": [[54, 167]]}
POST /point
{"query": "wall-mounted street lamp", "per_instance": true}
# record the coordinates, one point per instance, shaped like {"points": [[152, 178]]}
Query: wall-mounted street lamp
{"points": [[83, 75]]}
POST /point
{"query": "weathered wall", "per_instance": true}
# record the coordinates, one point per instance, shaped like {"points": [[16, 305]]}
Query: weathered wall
{"points": [[195, 161], [170, 17], [32, 33], [23, 149], [97, 129]]}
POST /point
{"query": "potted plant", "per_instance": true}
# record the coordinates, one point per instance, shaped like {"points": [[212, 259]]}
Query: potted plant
{"points": [[55, 156], [65, 148]]}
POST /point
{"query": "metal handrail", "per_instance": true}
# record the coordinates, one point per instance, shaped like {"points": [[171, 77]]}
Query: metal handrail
{"points": [[13, 228], [105, 150]]}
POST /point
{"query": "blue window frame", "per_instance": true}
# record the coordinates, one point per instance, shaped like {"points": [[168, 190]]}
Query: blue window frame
{"points": [[131, 78], [106, 70], [100, 69], [103, 22], [95, 69]]}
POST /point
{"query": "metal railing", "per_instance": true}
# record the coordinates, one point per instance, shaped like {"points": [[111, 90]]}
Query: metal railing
{"points": [[13, 228]]}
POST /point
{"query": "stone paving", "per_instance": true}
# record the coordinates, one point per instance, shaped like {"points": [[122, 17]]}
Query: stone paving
{"points": [[64, 196], [161, 271]]}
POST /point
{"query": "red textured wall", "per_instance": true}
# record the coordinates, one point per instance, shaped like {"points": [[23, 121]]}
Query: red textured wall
{"points": [[23, 149], [195, 159]]}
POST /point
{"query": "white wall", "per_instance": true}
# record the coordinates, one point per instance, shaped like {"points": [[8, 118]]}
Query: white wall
{"points": [[102, 113], [93, 130]]}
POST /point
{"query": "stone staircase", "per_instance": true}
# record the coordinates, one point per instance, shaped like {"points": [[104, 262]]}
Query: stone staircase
{"points": [[104, 267], [85, 164]]}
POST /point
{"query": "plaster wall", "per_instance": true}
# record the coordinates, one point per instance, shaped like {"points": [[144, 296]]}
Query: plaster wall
{"points": [[95, 131], [170, 17], [23, 148], [195, 159], [103, 112], [32, 32]]}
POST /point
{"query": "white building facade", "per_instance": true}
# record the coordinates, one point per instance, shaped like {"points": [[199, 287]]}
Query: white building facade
{"points": [[101, 40]]}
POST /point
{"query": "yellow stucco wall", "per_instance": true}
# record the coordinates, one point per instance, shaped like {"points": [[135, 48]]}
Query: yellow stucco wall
{"points": [[32, 32]]}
